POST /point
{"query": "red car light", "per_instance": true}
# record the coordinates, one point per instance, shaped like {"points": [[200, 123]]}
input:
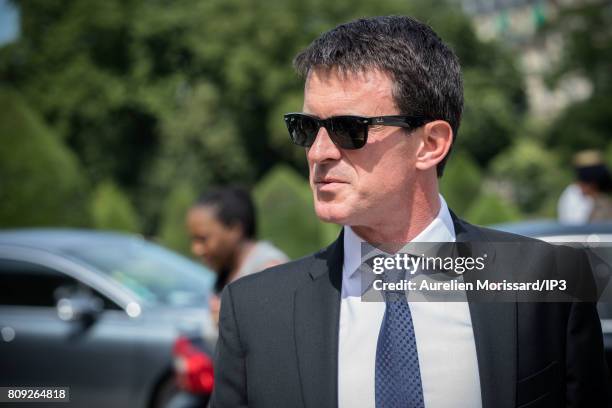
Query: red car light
{"points": [[193, 367]]}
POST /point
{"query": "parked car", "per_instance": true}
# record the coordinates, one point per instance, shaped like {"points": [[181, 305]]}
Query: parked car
{"points": [[99, 312], [554, 232]]}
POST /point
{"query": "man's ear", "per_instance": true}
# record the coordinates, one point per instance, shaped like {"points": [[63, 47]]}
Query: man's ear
{"points": [[436, 141]]}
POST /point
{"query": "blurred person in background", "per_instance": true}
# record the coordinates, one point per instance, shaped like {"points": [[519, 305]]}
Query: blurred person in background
{"points": [[574, 207], [589, 198], [222, 227], [596, 183]]}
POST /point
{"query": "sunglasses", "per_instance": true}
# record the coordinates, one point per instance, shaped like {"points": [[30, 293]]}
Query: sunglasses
{"points": [[347, 132]]}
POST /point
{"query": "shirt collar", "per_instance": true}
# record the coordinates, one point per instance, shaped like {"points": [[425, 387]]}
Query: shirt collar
{"points": [[440, 229]]}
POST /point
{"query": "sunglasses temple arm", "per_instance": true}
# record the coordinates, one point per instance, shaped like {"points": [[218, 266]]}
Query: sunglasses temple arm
{"points": [[399, 121]]}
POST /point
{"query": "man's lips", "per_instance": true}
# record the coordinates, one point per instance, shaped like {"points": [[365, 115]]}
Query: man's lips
{"points": [[329, 180], [329, 184]]}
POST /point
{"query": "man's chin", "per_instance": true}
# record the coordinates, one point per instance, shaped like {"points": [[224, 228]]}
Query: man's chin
{"points": [[335, 214]]}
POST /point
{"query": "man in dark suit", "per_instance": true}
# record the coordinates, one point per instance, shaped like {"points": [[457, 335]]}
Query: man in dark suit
{"points": [[382, 104]]}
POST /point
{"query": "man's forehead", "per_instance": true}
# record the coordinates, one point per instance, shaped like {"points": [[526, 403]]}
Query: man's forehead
{"points": [[347, 78], [370, 88]]}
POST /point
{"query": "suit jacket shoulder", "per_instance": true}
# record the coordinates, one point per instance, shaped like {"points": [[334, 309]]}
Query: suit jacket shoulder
{"points": [[283, 277]]}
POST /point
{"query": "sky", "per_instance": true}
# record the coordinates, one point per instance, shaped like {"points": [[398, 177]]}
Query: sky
{"points": [[9, 22]]}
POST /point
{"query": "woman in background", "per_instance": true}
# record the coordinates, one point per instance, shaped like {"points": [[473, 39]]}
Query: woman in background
{"points": [[222, 228]]}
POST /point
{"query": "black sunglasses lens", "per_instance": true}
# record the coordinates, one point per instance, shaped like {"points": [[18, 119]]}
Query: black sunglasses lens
{"points": [[302, 129], [349, 132]]}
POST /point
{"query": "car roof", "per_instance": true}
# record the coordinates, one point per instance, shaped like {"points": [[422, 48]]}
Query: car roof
{"points": [[58, 239], [541, 228]]}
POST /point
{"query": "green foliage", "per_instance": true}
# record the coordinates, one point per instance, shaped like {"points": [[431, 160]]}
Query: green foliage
{"points": [[586, 31], [112, 210], [608, 155], [531, 174], [492, 209], [147, 93], [172, 232], [328, 233], [279, 138], [494, 95], [583, 125], [489, 121], [461, 182], [286, 215], [41, 183], [201, 147]]}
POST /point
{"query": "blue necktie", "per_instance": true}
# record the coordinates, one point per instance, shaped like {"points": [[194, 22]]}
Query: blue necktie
{"points": [[397, 376]]}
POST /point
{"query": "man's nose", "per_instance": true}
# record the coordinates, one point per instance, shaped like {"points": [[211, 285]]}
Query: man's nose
{"points": [[323, 148]]}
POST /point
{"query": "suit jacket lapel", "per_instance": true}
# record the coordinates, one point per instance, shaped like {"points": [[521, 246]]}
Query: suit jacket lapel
{"points": [[316, 320], [494, 325]]}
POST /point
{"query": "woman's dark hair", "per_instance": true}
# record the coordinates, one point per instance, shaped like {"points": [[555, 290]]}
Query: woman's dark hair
{"points": [[232, 205]]}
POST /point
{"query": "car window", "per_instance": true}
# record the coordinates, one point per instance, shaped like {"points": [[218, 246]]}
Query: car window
{"points": [[154, 274], [29, 284]]}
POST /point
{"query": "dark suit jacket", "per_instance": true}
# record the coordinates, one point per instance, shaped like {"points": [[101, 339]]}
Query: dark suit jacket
{"points": [[278, 341]]}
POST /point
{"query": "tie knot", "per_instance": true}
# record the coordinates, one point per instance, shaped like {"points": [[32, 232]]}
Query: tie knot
{"points": [[393, 275], [392, 270]]}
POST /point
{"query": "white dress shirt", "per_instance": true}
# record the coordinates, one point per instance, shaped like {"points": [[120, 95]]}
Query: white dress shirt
{"points": [[444, 335]]}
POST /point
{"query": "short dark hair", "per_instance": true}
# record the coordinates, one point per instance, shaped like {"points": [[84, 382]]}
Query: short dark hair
{"points": [[232, 205], [425, 71]]}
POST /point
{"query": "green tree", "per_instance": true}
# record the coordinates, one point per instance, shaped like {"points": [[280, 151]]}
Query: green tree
{"points": [[112, 210], [147, 93], [532, 174], [490, 209], [582, 125], [461, 182], [172, 232], [489, 121], [286, 216], [608, 155], [41, 181], [202, 147], [586, 32]]}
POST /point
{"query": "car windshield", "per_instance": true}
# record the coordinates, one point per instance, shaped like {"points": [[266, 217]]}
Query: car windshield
{"points": [[155, 274]]}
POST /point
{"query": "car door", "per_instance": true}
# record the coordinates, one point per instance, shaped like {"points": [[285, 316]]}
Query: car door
{"points": [[93, 356]]}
